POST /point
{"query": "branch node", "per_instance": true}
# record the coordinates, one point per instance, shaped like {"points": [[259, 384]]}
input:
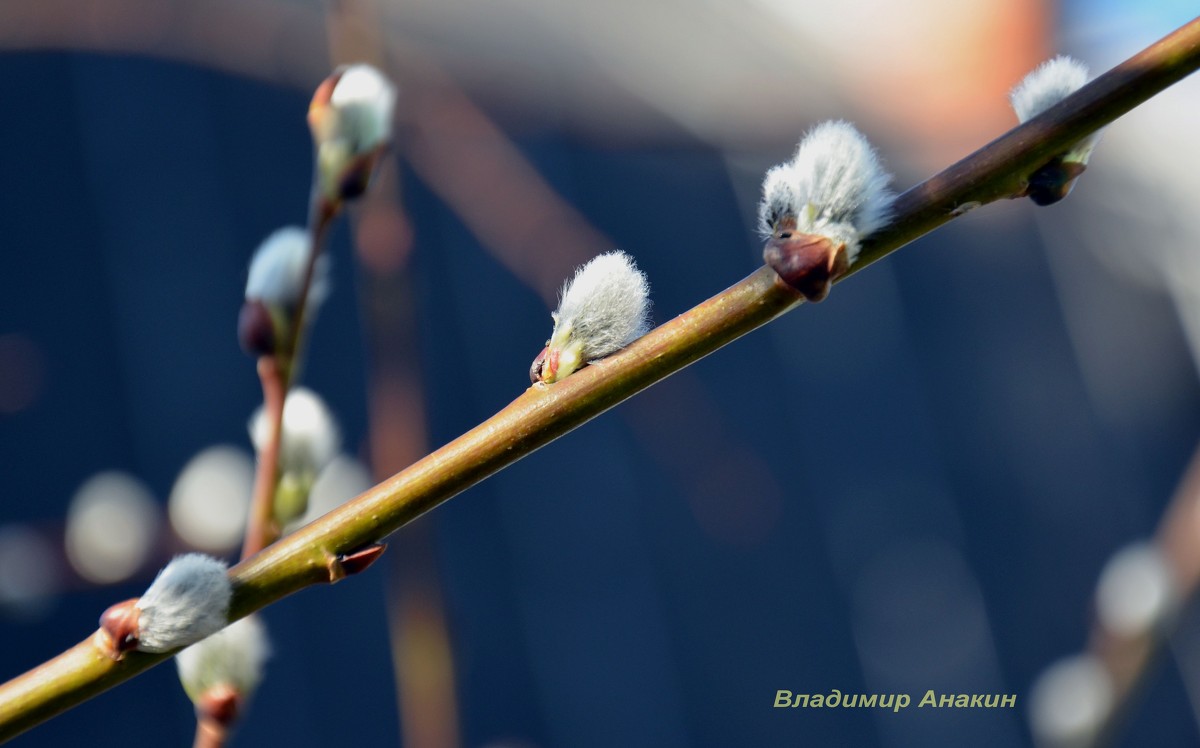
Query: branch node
{"points": [[965, 208]]}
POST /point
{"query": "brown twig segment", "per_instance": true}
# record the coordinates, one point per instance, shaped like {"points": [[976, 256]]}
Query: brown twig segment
{"points": [[261, 527], [216, 712], [320, 218], [276, 372], [544, 413], [209, 734]]}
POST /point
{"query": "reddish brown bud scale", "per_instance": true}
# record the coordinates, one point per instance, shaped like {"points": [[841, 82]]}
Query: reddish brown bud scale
{"points": [[321, 97], [550, 370], [120, 625], [355, 562], [256, 329], [222, 704], [808, 263], [539, 363], [358, 176], [1054, 181]]}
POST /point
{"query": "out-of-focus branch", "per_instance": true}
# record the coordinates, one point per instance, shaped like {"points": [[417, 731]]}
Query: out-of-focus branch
{"points": [[255, 38], [1143, 595], [277, 372], [1129, 658], [313, 555], [422, 659], [261, 530]]}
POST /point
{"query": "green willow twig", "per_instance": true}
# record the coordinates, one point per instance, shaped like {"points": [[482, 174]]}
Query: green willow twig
{"points": [[314, 554]]}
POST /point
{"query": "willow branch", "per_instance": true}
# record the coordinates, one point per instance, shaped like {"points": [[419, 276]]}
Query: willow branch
{"points": [[313, 554]]}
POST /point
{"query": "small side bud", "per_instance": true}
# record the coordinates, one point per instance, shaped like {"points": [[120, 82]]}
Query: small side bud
{"points": [[221, 673], [817, 208], [273, 289], [604, 308], [1050, 83], [188, 600], [355, 562], [351, 122], [309, 442]]}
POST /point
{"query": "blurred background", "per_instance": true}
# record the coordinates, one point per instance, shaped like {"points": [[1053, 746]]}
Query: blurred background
{"points": [[914, 485]]}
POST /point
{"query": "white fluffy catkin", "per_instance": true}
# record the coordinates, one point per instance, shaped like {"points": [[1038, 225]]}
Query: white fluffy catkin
{"points": [[364, 100], [234, 657], [188, 600], [604, 308], [277, 271], [834, 186], [1048, 84], [310, 438]]}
